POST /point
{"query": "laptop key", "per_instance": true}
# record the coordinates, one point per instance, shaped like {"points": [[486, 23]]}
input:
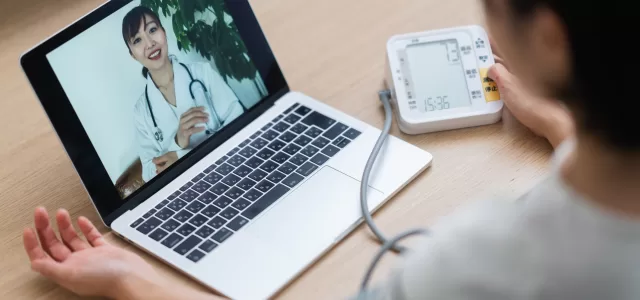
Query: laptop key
{"points": [[252, 195], [270, 135], [319, 159], [210, 211], [188, 244], [293, 180], [183, 216], [219, 188], [288, 136], [264, 186], [190, 195], [257, 175], [212, 178], [195, 255], [224, 169], [292, 119], [208, 246], [299, 128], [176, 205], [254, 162], [278, 118], [335, 131], [302, 140], [240, 204], [231, 180], [205, 231], [207, 197], [287, 168], [158, 234], [229, 213], [265, 201], [352, 133], [242, 171], [276, 177], [164, 214], [313, 132], [276, 145], [222, 235], [265, 154], [244, 143], [318, 119], [221, 160], [209, 169], [269, 166], [341, 142], [162, 204], [303, 110], [259, 143], [233, 151], [320, 142], [291, 108], [194, 207], [248, 152], [246, 184], [198, 220], [306, 169], [174, 195], [291, 149], [237, 223], [265, 127], [185, 229], [197, 178], [309, 151], [199, 187], [217, 222], [330, 151], [149, 225], [172, 240], [281, 127], [186, 186], [150, 213], [137, 222], [170, 225], [298, 159], [234, 193], [222, 202], [280, 157], [236, 160]]}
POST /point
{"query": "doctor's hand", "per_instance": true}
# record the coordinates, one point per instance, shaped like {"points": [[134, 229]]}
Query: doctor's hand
{"points": [[164, 161], [187, 126]]}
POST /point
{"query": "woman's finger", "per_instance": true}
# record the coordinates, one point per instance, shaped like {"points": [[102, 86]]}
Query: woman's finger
{"points": [[195, 130], [32, 246], [191, 110], [192, 123], [48, 238], [191, 116], [68, 233], [90, 231]]}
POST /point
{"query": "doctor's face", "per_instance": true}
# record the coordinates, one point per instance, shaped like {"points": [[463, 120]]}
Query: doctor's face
{"points": [[149, 45]]}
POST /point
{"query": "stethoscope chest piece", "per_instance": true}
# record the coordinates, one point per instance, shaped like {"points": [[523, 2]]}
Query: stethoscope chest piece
{"points": [[158, 135]]}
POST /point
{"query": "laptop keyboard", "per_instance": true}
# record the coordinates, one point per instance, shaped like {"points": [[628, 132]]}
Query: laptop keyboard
{"points": [[227, 195]]}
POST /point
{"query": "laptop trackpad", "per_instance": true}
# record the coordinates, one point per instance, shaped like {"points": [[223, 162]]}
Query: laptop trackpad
{"points": [[310, 219]]}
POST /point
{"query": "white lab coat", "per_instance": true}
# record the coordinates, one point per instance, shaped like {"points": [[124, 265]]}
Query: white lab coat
{"points": [[167, 117]]}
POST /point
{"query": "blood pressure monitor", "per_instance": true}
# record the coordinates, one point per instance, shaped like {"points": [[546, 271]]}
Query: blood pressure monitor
{"points": [[438, 80]]}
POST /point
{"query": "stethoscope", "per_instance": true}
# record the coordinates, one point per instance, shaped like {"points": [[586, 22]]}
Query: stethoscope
{"points": [[159, 136]]}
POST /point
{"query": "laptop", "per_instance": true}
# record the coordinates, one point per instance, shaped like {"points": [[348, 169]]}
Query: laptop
{"points": [[261, 187]]}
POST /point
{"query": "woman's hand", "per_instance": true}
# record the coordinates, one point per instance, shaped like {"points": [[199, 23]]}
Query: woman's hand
{"points": [[187, 126], [88, 268], [164, 161]]}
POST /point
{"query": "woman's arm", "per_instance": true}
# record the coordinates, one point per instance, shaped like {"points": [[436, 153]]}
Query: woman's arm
{"points": [[141, 288]]}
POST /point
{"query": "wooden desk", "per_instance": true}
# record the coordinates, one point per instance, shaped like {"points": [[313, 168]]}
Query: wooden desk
{"points": [[333, 50]]}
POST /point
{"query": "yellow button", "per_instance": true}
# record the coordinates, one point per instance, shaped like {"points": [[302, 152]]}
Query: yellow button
{"points": [[491, 92]]}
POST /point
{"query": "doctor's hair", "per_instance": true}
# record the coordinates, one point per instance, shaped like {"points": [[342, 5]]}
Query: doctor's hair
{"points": [[603, 88], [131, 23]]}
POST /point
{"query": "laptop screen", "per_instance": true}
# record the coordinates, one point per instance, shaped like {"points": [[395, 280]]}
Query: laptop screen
{"points": [[154, 80]]}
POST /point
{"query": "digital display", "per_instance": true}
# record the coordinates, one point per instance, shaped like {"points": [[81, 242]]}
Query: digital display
{"points": [[437, 76]]}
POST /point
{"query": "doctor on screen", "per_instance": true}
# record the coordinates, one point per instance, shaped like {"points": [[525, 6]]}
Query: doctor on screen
{"points": [[182, 104]]}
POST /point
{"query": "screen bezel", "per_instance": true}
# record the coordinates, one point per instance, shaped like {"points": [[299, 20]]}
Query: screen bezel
{"points": [[75, 139]]}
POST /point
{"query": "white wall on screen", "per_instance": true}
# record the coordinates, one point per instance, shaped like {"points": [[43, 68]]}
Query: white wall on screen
{"points": [[103, 83]]}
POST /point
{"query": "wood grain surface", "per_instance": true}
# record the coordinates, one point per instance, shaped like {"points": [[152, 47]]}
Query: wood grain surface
{"points": [[332, 50]]}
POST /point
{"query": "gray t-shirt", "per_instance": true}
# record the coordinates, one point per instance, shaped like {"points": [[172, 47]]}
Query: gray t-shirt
{"points": [[550, 244]]}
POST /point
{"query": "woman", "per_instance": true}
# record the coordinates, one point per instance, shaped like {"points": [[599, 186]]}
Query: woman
{"points": [[182, 104]]}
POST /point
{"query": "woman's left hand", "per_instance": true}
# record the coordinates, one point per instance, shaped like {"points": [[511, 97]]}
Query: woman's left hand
{"points": [[164, 161]]}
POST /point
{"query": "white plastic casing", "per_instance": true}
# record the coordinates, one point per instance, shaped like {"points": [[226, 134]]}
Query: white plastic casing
{"points": [[484, 109]]}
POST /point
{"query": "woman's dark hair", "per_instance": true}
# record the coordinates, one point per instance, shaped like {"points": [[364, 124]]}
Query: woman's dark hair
{"points": [[131, 24], [604, 72]]}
